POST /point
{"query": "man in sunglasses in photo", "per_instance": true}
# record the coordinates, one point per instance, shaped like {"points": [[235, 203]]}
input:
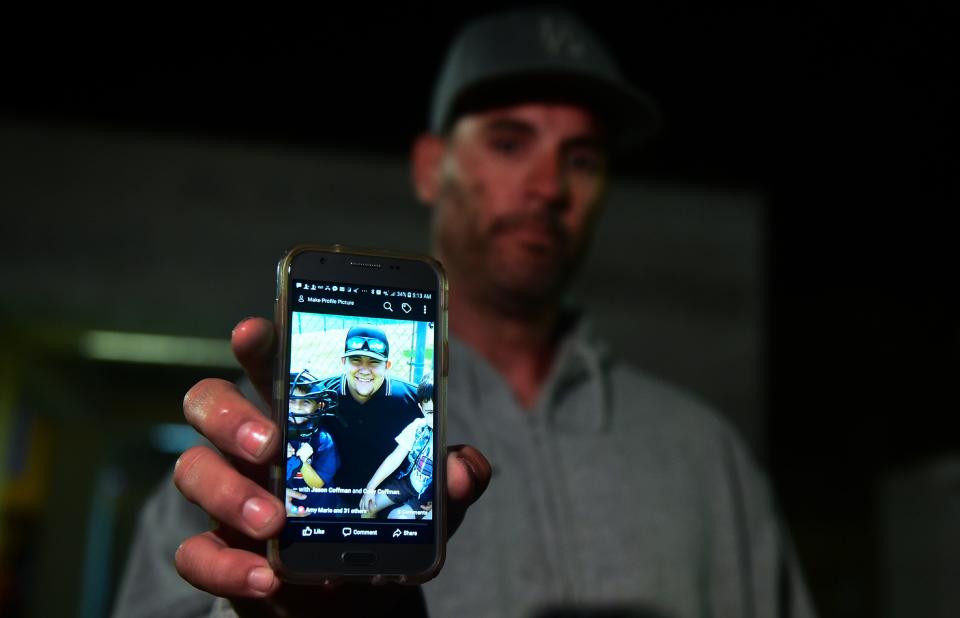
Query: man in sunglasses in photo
{"points": [[373, 407]]}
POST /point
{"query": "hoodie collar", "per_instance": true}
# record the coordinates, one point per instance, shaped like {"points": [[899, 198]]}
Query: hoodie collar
{"points": [[581, 364]]}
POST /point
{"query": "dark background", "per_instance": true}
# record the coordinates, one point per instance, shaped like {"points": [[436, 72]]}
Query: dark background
{"points": [[843, 118]]}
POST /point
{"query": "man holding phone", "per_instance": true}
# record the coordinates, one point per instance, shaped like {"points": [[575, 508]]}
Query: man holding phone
{"points": [[613, 491]]}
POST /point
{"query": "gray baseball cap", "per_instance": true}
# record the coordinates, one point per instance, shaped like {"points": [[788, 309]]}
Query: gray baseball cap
{"points": [[538, 55]]}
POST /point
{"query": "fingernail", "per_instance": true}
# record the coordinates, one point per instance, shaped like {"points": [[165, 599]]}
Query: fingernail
{"points": [[472, 473], [241, 323], [253, 437], [471, 469], [258, 513], [261, 579]]}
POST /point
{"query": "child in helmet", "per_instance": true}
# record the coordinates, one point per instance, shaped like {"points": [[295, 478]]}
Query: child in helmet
{"points": [[312, 458]]}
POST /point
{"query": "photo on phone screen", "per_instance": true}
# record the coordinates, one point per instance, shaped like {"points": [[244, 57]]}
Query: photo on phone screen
{"points": [[360, 414]]}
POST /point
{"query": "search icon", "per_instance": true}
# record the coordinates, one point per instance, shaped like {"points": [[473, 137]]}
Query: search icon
{"points": [[388, 306]]}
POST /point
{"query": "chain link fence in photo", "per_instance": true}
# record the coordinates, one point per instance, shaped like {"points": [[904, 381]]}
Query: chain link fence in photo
{"points": [[317, 344]]}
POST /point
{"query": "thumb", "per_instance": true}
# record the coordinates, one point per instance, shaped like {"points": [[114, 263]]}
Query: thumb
{"points": [[468, 474]]}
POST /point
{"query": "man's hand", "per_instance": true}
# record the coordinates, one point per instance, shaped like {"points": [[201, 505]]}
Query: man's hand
{"points": [[229, 561]]}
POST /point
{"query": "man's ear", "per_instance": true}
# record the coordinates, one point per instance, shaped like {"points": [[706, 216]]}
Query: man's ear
{"points": [[388, 364], [427, 159]]}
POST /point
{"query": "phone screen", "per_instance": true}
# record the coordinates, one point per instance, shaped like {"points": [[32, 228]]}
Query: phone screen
{"points": [[360, 413]]}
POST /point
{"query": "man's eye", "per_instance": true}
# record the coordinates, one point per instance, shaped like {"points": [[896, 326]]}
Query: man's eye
{"points": [[585, 162], [506, 145]]}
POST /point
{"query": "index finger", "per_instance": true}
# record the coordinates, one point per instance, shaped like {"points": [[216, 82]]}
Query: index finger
{"points": [[218, 410], [254, 344]]}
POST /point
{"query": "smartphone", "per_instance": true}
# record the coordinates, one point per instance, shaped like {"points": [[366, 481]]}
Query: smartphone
{"points": [[360, 394]]}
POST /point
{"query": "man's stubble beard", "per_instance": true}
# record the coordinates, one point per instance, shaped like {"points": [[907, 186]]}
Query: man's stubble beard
{"points": [[477, 270]]}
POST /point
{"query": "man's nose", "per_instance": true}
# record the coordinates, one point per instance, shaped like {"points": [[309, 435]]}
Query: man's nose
{"points": [[546, 181]]}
